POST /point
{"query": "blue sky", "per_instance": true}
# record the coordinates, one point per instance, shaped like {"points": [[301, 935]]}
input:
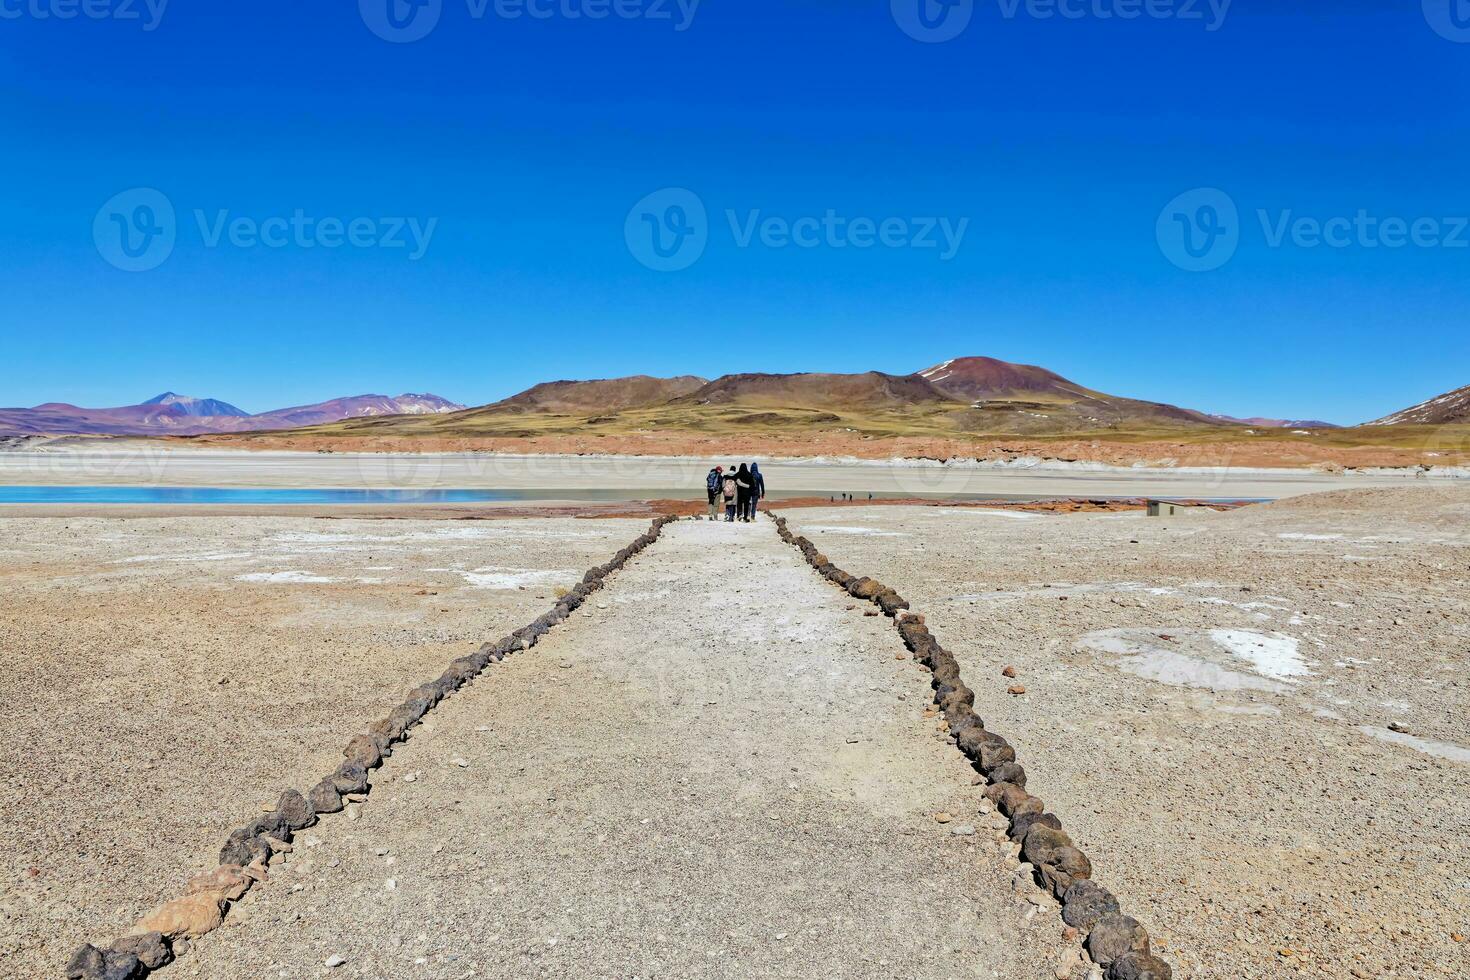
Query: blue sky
{"points": [[524, 143]]}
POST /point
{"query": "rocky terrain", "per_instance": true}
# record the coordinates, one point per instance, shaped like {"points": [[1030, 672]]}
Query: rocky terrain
{"points": [[746, 771], [1228, 711], [165, 676]]}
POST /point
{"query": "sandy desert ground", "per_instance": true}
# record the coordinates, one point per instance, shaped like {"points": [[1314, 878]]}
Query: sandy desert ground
{"points": [[163, 676], [1256, 723]]}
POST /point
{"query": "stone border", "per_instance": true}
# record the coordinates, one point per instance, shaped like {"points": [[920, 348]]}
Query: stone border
{"points": [[164, 933], [1116, 942]]}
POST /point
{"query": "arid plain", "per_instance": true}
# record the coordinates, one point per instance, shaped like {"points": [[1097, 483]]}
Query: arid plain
{"points": [[1254, 722]]}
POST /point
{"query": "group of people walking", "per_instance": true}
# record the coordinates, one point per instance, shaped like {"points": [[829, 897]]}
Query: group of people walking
{"points": [[739, 490]]}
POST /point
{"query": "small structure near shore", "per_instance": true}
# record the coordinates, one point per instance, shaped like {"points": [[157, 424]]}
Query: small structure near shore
{"points": [[1168, 508]]}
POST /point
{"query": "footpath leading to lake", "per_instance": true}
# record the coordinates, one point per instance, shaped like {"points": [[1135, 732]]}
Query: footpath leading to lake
{"points": [[716, 769]]}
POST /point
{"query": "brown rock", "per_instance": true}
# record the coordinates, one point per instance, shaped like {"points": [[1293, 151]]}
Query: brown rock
{"points": [[1140, 966], [1016, 689], [1045, 845], [191, 916], [228, 881], [364, 751], [350, 777], [295, 810], [1115, 936], [324, 797], [1008, 672], [1071, 866], [244, 846], [1085, 903], [151, 949], [1009, 772], [1014, 801], [86, 963], [1021, 826]]}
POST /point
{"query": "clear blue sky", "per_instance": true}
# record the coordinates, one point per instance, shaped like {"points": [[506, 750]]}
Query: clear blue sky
{"points": [[529, 140]]}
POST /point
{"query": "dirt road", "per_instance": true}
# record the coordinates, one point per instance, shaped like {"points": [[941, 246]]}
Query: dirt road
{"points": [[718, 767]]}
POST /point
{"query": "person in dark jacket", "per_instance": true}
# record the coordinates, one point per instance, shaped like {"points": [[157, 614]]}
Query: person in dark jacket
{"points": [[744, 487], [714, 487], [758, 490]]}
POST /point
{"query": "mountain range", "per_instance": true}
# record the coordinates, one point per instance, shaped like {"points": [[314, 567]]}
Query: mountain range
{"points": [[962, 398], [171, 414]]}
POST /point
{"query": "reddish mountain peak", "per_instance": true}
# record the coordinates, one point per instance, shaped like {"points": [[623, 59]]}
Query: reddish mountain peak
{"points": [[980, 377]]}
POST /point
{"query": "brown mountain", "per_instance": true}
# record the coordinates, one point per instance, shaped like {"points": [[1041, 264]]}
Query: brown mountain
{"points": [[961, 398], [872, 389], [599, 397], [1451, 408], [1024, 398]]}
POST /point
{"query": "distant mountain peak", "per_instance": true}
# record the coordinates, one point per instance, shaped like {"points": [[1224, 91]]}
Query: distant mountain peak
{"points": [[173, 414], [1453, 407], [198, 407]]}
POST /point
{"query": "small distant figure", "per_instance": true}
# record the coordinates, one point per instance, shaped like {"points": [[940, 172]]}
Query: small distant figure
{"points": [[714, 486], [757, 490], [728, 491], [744, 487]]}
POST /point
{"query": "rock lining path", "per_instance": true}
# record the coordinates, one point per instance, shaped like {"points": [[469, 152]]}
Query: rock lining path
{"points": [[717, 768]]}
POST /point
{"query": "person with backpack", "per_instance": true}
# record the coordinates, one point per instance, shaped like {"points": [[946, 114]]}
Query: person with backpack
{"points": [[744, 487], [729, 490], [757, 491], [714, 487]]}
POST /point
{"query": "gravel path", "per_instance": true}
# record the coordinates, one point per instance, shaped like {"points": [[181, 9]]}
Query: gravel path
{"points": [[718, 768]]}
